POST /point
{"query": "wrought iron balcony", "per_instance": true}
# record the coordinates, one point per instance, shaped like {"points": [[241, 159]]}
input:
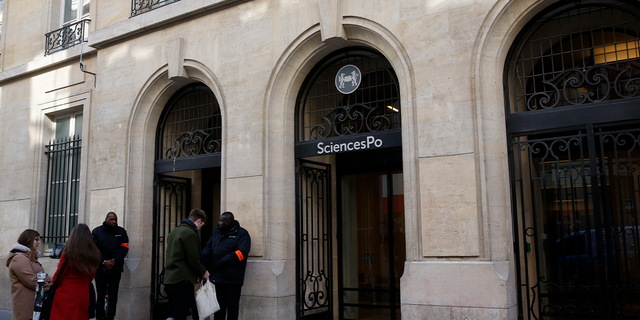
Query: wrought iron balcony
{"points": [[142, 6], [66, 37]]}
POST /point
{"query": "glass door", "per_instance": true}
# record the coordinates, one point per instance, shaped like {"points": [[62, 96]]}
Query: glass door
{"points": [[372, 245]]}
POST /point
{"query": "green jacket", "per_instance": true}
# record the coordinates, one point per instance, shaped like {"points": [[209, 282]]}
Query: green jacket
{"points": [[183, 255]]}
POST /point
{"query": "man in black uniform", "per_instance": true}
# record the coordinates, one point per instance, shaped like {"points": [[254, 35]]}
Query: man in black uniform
{"points": [[225, 256], [113, 243]]}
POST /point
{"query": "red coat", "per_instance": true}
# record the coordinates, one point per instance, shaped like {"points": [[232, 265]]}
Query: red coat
{"points": [[71, 300]]}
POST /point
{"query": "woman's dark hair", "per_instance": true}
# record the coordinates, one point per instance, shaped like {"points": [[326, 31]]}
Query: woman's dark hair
{"points": [[26, 239], [81, 251]]}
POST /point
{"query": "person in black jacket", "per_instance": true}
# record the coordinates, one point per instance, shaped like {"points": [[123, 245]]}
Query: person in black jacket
{"points": [[225, 256], [113, 243]]}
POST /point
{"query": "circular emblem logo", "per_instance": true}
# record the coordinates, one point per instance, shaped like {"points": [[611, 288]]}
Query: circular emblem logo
{"points": [[348, 79]]}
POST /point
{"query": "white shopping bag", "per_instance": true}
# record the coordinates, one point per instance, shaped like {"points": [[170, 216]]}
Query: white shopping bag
{"points": [[206, 300]]}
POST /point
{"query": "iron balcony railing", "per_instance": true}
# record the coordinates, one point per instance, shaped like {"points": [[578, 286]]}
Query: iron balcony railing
{"points": [[66, 37], [142, 6]]}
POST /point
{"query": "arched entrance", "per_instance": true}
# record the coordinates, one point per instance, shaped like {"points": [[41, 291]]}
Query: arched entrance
{"points": [[187, 173], [349, 179], [573, 125]]}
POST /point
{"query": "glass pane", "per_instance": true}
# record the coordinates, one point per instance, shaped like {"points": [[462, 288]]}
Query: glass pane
{"points": [[62, 127], [77, 131], [85, 7], [70, 10]]}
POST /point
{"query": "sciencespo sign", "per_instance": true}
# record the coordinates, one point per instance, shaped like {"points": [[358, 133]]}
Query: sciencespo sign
{"points": [[355, 143], [369, 143]]}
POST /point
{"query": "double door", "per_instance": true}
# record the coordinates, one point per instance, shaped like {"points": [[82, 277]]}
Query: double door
{"points": [[350, 236], [576, 222], [175, 194]]}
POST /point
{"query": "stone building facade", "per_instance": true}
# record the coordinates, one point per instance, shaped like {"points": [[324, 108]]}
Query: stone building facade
{"points": [[385, 155]]}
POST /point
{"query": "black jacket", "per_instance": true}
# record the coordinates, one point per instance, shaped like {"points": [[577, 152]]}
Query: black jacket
{"points": [[226, 253], [113, 243]]}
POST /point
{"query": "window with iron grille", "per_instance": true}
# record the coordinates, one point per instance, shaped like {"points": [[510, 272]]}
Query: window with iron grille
{"points": [[585, 55], [324, 112], [63, 178], [191, 125]]}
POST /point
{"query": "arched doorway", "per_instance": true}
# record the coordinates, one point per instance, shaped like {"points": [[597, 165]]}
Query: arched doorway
{"points": [[349, 179], [573, 124], [187, 173]]}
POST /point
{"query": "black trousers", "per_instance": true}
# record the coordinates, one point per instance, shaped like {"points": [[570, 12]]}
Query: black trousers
{"points": [[229, 300], [107, 284], [181, 299]]}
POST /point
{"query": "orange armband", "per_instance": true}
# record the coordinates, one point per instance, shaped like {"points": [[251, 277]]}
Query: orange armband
{"points": [[125, 245], [239, 254]]}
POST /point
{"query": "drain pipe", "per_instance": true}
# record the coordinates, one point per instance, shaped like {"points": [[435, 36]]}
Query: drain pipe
{"points": [[95, 77]]}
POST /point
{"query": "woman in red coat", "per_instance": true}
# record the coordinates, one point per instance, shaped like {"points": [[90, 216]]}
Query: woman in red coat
{"points": [[71, 300]]}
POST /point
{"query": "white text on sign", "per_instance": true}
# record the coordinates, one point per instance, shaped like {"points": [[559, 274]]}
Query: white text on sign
{"points": [[369, 143]]}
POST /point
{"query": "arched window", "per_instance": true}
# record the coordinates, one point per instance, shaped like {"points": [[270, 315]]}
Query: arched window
{"points": [[578, 55], [324, 112], [190, 131]]}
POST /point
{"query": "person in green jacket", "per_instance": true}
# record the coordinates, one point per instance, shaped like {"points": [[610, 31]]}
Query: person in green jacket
{"points": [[183, 269]]}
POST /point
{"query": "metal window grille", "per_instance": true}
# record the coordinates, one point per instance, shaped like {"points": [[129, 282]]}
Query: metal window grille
{"points": [[324, 112], [142, 6], [192, 126], [63, 181], [585, 54], [66, 37]]}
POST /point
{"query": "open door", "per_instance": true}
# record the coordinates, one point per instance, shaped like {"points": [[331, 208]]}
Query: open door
{"points": [[172, 203], [313, 239]]}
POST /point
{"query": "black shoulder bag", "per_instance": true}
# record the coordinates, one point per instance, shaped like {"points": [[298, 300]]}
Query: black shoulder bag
{"points": [[47, 301]]}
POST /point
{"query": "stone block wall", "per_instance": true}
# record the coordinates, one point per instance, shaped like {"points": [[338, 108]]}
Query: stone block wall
{"points": [[255, 55]]}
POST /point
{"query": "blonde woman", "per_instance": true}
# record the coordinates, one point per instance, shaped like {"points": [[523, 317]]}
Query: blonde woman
{"points": [[23, 267]]}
